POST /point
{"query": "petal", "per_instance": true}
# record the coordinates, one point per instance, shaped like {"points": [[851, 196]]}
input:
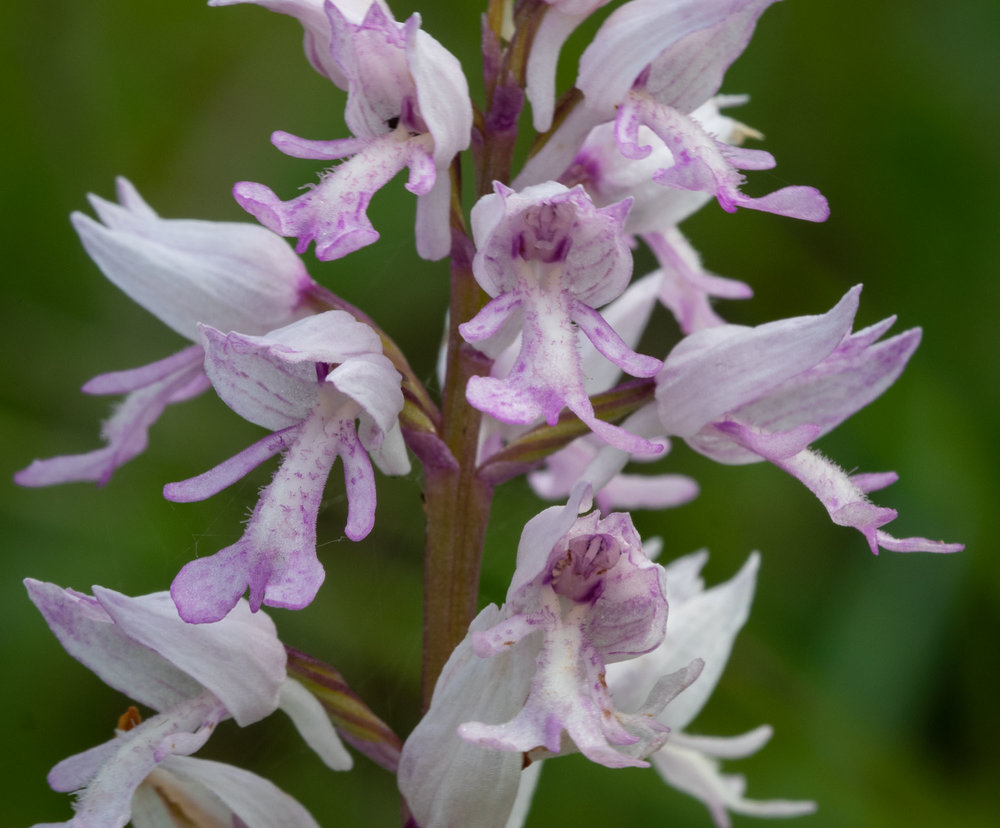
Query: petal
{"points": [[239, 659], [686, 287], [272, 380], [690, 70], [229, 471], [372, 382], [89, 634], [496, 325], [603, 337], [722, 368], [447, 781], [311, 15], [540, 73], [333, 213], [276, 557], [107, 800], [312, 723], [540, 534], [848, 505], [126, 433], [433, 228], [254, 378], [690, 42], [133, 379], [697, 775], [230, 275], [442, 93], [359, 480], [704, 164], [567, 694], [627, 316], [246, 796], [703, 625], [830, 392]]}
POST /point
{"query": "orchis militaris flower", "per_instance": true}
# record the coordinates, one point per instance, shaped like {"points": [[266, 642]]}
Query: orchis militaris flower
{"points": [[183, 271], [741, 395], [407, 106], [583, 595], [308, 382], [549, 258], [703, 623], [652, 64], [685, 286], [194, 677]]}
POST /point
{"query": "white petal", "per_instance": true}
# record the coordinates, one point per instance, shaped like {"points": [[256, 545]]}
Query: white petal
{"points": [[310, 719]]}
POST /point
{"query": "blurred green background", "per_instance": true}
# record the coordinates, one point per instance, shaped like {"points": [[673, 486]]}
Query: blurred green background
{"points": [[880, 675]]}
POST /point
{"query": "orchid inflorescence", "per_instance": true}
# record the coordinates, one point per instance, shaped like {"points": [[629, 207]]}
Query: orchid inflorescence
{"points": [[597, 648]]}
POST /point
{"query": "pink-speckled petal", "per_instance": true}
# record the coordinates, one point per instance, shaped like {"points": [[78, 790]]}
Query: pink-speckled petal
{"points": [[333, 213], [229, 471], [276, 557], [608, 343], [272, 380]]}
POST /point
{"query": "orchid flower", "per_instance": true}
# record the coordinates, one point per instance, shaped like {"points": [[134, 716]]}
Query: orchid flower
{"points": [[407, 106], [183, 271], [308, 382], [549, 258], [583, 595], [685, 286], [652, 64], [194, 677], [741, 395], [703, 623]]}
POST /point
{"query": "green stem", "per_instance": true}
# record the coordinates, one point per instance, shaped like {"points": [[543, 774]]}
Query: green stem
{"points": [[456, 501]]}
